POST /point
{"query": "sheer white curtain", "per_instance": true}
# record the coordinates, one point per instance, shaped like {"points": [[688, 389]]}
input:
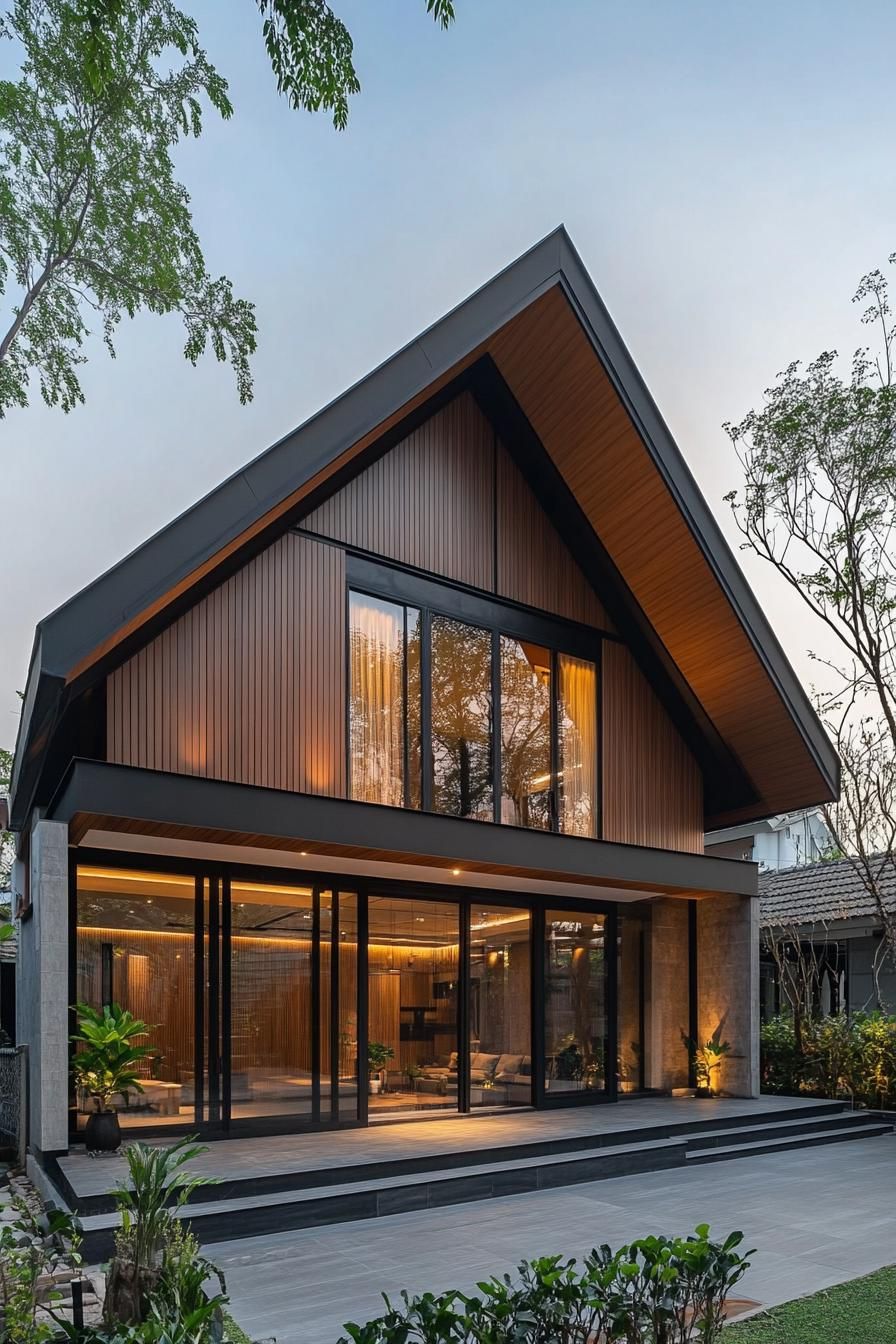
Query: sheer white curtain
{"points": [[577, 741], [377, 700]]}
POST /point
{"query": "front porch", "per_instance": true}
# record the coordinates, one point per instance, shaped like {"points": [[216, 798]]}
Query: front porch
{"points": [[270, 1184]]}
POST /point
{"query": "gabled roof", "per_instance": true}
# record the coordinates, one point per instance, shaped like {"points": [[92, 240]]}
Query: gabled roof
{"points": [[818, 893], [542, 345], [764, 826]]}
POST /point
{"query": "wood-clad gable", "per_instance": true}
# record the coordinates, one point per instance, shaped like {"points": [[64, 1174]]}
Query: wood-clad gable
{"points": [[248, 685], [450, 500], [652, 786]]}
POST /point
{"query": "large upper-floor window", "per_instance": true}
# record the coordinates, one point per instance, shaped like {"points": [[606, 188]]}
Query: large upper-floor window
{"points": [[470, 719]]}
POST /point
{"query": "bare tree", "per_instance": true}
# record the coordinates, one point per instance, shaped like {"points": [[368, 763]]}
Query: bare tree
{"points": [[805, 959], [819, 504]]}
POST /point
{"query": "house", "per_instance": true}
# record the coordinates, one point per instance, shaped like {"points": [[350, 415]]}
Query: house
{"points": [[827, 910], [395, 754], [783, 841]]}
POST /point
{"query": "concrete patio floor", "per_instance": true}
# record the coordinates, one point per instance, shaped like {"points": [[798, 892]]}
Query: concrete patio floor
{"points": [[816, 1216], [276, 1155]]}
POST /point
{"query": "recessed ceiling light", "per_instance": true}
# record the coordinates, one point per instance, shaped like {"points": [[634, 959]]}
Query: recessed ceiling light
{"points": [[456, 872], [303, 853]]}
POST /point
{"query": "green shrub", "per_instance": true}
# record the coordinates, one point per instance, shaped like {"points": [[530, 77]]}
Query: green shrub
{"points": [[874, 1080], [840, 1056], [659, 1290], [782, 1065]]}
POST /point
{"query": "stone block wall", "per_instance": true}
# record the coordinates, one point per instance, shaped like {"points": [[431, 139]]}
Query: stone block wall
{"points": [[42, 988], [728, 986]]}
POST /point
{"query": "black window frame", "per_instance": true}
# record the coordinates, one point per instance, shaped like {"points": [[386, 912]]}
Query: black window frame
{"points": [[435, 597]]}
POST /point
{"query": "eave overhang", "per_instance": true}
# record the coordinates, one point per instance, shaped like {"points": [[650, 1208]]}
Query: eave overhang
{"points": [[541, 324], [98, 796]]}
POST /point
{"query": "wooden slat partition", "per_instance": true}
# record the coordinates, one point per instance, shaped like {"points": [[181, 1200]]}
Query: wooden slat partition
{"points": [[652, 787], [249, 685]]}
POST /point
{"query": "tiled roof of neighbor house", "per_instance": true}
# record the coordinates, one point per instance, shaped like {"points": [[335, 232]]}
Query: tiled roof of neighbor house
{"points": [[815, 892]]}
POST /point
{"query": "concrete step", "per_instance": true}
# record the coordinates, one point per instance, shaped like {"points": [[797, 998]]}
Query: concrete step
{"points": [[318, 1177], [256, 1214], [731, 1137], [783, 1143]]}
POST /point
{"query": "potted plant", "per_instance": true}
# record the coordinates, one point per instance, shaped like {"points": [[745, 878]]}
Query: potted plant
{"points": [[378, 1056], [707, 1060], [104, 1067]]}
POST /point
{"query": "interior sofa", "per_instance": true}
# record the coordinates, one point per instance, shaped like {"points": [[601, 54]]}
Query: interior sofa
{"points": [[510, 1076]]}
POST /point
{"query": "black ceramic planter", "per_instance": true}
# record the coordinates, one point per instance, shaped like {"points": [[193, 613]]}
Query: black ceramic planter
{"points": [[103, 1132]]}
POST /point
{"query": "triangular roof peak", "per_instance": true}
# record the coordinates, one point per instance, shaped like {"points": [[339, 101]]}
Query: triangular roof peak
{"points": [[544, 356]]}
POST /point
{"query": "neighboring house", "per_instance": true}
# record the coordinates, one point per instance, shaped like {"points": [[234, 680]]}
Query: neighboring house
{"points": [[784, 841], [403, 742], [828, 911]]}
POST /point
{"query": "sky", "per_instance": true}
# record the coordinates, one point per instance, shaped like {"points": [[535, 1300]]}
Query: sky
{"points": [[725, 170]]}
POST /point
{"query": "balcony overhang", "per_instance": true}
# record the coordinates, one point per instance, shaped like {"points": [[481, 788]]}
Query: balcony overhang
{"points": [[97, 797]]}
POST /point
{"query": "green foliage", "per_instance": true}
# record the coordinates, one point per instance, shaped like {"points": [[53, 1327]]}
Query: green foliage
{"points": [[309, 47], [105, 1064], [659, 1290], [819, 505], [706, 1057], [92, 217], [378, 1056], [159, 1186], [782, 1063], [840, 1055], [47, 1244]]}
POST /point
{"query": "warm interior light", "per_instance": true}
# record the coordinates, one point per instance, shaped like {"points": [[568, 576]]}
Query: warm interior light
{"points": [[456, 872]]}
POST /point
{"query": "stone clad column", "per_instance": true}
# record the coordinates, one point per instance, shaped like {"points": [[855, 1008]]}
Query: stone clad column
{"points": [[42, 987], [728, 986], [667, 999]]}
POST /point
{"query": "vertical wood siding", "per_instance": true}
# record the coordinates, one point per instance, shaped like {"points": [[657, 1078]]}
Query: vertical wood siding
{"points": [[428, 502], [534, 566], [652, 787], [249, 685], [450, 500]]}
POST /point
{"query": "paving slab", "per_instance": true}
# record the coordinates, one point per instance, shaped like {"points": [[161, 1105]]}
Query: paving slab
{"points": [[817, 1216]]}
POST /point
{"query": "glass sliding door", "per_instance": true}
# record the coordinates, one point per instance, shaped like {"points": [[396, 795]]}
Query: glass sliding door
{"points": [[271, 1053], [338, 1016], [575, 1003], [413, 975], [135, 947], [633, 933], [500, 1013]]}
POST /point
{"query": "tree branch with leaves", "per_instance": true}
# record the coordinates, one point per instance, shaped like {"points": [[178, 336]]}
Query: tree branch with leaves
{"points": [[819, 505], [92, 217]]}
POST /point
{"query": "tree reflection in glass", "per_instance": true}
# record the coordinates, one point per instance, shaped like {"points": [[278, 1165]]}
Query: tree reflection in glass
{"points": [[461, 719], [526, 779]]}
